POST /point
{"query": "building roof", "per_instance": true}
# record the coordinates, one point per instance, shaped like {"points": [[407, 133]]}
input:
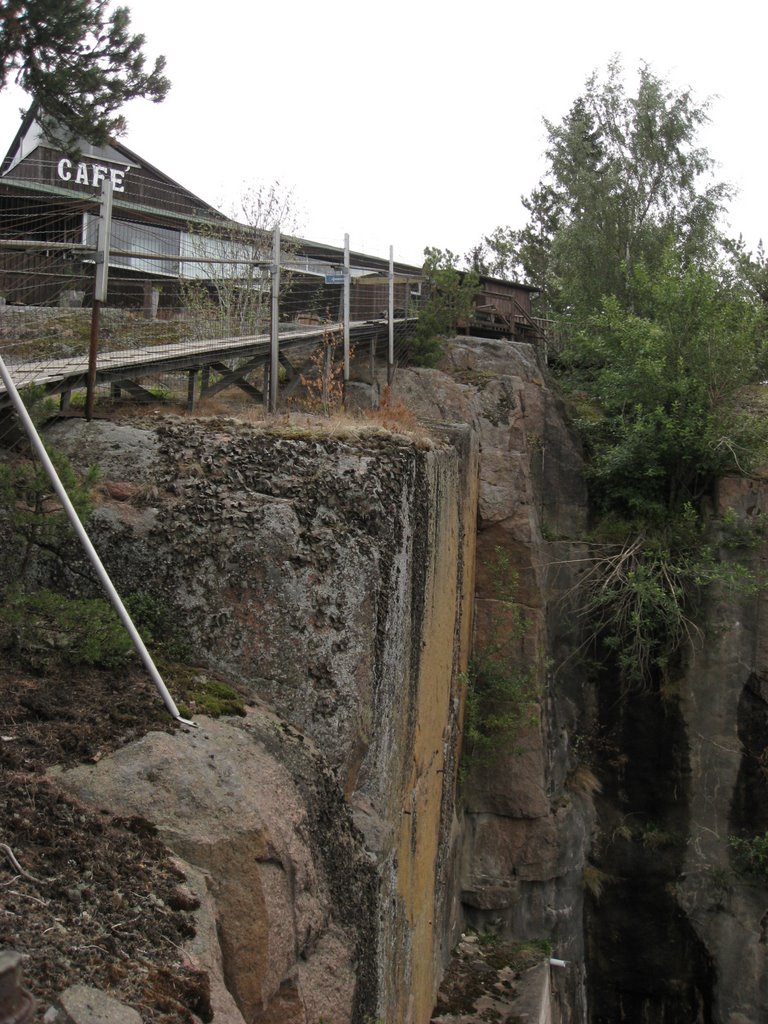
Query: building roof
{"points": [[30, 167], [31, 159]]}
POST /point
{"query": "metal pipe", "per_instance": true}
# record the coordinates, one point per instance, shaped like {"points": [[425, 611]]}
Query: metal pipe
{"points": [[85, 540]]}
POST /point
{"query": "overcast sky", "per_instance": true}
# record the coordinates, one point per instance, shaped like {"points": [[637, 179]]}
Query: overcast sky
{"points": [[420, 123]]}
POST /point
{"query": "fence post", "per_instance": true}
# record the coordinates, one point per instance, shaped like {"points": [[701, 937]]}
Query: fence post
{"points": [[274, 348], [99, 290], [346, 309], [391, 345]]}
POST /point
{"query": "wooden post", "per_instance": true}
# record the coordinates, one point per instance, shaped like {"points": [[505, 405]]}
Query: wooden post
{"points": [[151, 300], [391, 312], [93, 350], [191, 383], [327, 373]]}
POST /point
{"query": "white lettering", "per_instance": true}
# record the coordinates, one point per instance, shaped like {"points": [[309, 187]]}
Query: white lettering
{"points": [[99, 174], [118, 179], [92, 174]]}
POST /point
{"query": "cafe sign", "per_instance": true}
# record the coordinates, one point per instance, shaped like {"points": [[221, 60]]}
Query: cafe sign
{"points": [[92, 174]]}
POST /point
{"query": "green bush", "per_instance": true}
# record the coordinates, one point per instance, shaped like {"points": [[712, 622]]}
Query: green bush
{"points": [[43, 625], [449, 301], [157, 622], [31, 509], [640, 600], [500, 695], [751, 854]]}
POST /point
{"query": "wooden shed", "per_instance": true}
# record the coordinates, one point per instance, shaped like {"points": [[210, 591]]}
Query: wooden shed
{"points": [[503, 309]]}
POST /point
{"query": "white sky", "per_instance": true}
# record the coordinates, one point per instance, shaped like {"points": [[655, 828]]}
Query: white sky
{"points": [[420, 123]]}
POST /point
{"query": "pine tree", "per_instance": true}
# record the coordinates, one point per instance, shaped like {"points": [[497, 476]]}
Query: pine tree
{"points": [[80, 62]]}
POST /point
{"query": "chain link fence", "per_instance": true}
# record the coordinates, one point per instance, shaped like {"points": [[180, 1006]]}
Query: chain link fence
{"points": [[189, 314]]}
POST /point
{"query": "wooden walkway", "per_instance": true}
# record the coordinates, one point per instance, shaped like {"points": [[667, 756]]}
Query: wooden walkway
{"points": [[230, 360]]}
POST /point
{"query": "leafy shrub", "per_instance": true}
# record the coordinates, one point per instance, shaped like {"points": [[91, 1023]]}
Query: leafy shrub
{"points": [[324, 380], [751, 854], [31, 508], [450, 296], [157, 623], [640, 599], [42, 625], [500, 695]]}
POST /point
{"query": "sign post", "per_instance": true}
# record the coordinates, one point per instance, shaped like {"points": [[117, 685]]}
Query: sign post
{"points": [[99, 290]]}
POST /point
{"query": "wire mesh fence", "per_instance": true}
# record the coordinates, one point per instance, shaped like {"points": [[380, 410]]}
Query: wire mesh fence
{"points": [[192, 309], [194, 306]]}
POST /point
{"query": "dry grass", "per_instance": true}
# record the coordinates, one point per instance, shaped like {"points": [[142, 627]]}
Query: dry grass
{"points": [[595, 880], [583, 780], [394, 420]]}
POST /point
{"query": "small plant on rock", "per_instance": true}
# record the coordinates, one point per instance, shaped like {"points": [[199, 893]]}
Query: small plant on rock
{"points": [[500, 695], [324, 381], [751, 855]]}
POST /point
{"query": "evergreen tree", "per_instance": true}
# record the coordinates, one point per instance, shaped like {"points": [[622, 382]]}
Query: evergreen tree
{"points": [[80, 62], [626, 179]]}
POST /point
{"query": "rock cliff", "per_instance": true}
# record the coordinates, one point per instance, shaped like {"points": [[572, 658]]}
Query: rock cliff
{"points": [[333, 578], [684, 775], [526, 827], [342, 580]]}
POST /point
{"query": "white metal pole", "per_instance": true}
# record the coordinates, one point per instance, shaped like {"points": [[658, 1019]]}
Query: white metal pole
{"points": [[346, 308], [391, 347], [85, 540], [101, 259], [274, 349], [102, 245]]}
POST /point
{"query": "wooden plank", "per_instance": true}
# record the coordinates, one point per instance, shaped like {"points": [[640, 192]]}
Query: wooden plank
{"points": [[289, 367], [191, 384]]}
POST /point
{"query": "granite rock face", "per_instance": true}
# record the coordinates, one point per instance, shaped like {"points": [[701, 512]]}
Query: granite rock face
{"points": [[525, 831], [724, 703], [287, 893], [342, 581], [333, 579]]}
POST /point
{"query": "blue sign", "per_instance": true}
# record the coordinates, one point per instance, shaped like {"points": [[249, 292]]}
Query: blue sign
{"points": [[334, 279]]}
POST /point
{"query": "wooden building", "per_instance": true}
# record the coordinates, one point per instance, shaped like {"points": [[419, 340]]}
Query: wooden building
{"points": [[49, 206], [163, 237], [503, 310]]}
